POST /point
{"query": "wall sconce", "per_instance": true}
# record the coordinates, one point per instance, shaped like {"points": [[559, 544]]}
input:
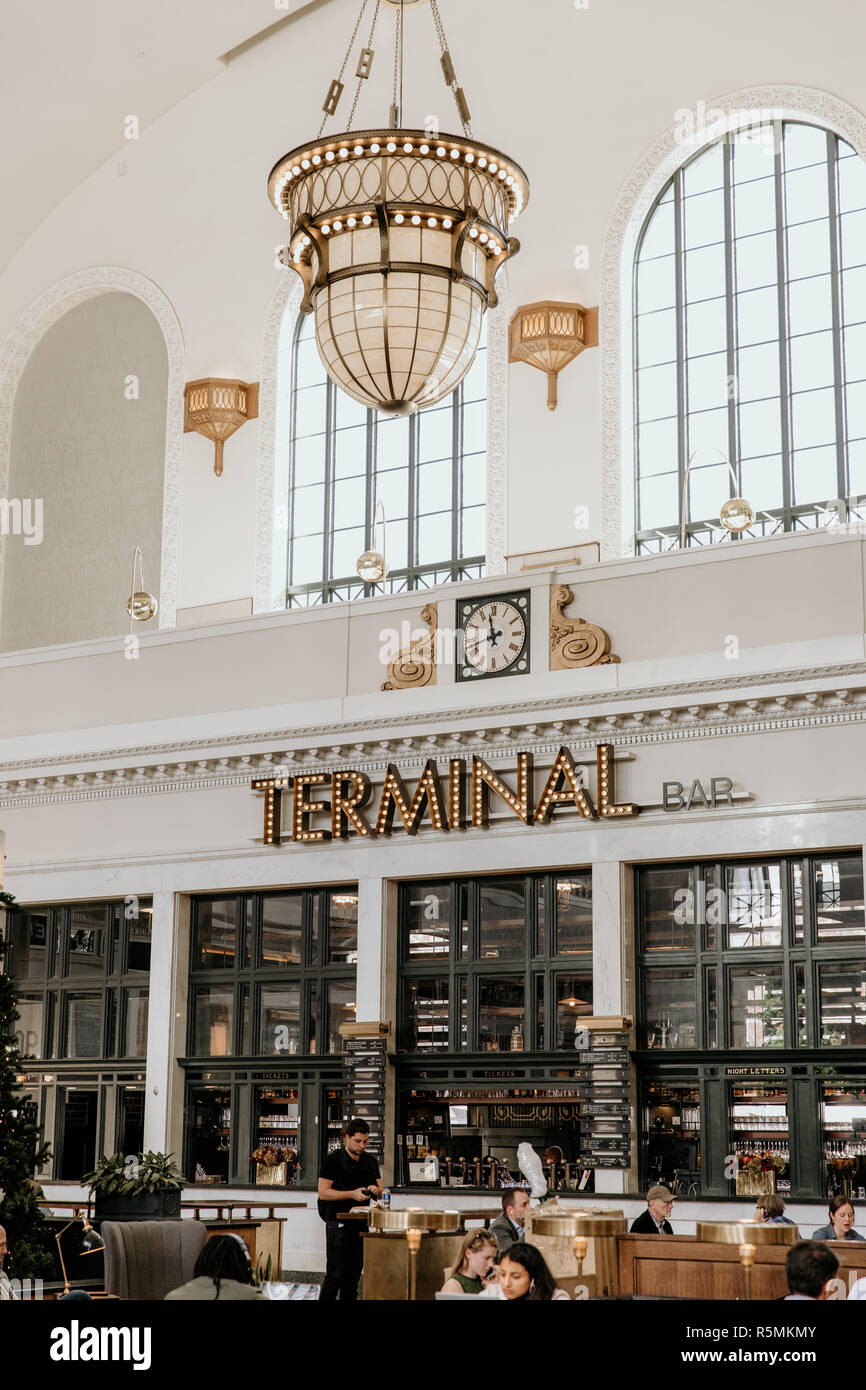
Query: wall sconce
{"points": [[141, 606], [549, 335], [216, 408], [735, 513]]}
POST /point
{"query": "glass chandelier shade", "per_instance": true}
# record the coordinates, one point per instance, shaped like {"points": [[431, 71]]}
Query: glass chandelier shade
{"points": [[398, 237]]}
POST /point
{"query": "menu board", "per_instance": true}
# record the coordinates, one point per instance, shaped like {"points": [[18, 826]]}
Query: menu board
{"points": [[605, 1131]]}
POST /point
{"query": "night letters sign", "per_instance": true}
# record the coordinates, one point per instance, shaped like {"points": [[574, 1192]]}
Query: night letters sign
{"points": [[463, 799]]}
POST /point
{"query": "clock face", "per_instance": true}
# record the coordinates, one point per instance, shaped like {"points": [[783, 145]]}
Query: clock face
{"points": [[495, 637]]}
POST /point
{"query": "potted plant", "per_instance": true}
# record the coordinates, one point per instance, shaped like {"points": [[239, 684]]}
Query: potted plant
{"points": [[143, 1187]]}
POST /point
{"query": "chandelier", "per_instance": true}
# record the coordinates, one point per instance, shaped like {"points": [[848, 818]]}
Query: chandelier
{"points": [[397, 235]]}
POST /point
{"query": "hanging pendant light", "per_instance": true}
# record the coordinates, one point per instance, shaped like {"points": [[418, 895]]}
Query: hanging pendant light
{"points": [[397, 235]]}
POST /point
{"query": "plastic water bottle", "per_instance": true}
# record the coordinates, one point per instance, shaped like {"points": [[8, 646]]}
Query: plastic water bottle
{"points": [[386, 1197]]}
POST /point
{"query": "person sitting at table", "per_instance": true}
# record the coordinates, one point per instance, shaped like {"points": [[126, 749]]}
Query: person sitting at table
{"points": [[474, 1264], [841, 1223], [508, 1226], [771, 1208], [810, 1269], [223, 1271], [524, 1276], [654, 1221]]}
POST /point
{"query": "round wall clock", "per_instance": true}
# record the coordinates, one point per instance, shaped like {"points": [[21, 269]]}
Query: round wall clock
{"points": [[493, 636]]}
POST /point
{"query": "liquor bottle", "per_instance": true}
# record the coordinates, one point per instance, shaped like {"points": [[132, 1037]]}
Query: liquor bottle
{"points": [[516, 1039]]}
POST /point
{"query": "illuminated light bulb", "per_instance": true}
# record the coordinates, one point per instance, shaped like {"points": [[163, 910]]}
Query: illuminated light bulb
{"points": [[367, 219], [474, 232], [338, 226], [351, 222], [306, 241], [359, 149], [431, 221], [326, 230], [296, 169], [484, 237], [391, 147], [329, 155], [305, 164], [425, 149], [503, 174], [398, 218], [374, 148], [470, 157], [510, 180], [441, 151], [407, 148], [447, 223], [416, 220], [493, 166], [482, 163], [343, 152], [317, 159], [455, 154]]}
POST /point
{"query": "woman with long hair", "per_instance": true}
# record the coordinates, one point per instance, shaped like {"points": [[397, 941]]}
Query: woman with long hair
{"points": [[523, 1275], [841, 1223], [474, 1264]]}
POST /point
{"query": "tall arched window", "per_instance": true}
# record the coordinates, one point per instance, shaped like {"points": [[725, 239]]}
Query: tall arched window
{"points": [[428, 470], [750, 336]]}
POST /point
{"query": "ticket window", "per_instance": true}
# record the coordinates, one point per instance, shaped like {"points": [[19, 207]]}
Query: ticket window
{"points": [[77, 1132], [843, 1116], [672, 1120], [277, 1130], [210, 1118], [760, 1133]]}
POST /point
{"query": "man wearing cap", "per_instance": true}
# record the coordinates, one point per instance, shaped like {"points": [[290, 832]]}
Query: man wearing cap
{"points": [[654, 1221]]}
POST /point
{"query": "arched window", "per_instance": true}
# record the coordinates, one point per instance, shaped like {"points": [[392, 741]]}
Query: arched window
{"points": [[750, 337], [428, 470]]}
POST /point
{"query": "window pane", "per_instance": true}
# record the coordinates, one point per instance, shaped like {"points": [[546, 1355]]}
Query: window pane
{"points": [[212, 1023], [28, 933], [657, 392], [658, 238], [852, 184], [842, 1002], [475, 428], [474, 529], [78, 1132], [760, 428], [309, 461], [812, 361], [708, 381], [280, 1030], [307, 561], [656, 284], [810, 305], [350, 452], [83, 1026], [797, 900], [659, 501], [434, 486], [434, 538], [754, 206], [706, 172], [573, 1002], [277, 1127], [474, 479], [463, 1007], [282, 929], [670, 1009], [310, 406], [348, 411], [839, 898], [704, 218], [756, 261], [426, 1017], [803, 144], [349, 502], [814, 474], [500, 1013], [706, 327], [844, 1117], [806, 193], [347, 547], [130, 1102], [428, 920], [854, 295], [657, 337], [708, 432], [757, 313], [436, 431], [87, 941], [28, 1029], [757, 1014], [216, 934], [809, 248], [708, 489], [711, 977], [800, 1004], [341, 1009], [343, 927], [673, 1135], [754, 899], [392, 490], [392, 442], [573, 903], [503, 919], [762, 481], [539, 1013], [135, 1022], [657, 446], [138, 937], [475, 381], [705, 273], [754, 149]]}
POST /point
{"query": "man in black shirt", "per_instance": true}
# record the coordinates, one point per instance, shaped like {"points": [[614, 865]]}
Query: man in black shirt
{"points": [[344, 1176]]}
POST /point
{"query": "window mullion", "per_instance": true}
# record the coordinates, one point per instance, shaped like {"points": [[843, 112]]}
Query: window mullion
{"points": [[782, 300], [327, 522], [838, 387], [456, 471], [682, 404], [730, 315]]}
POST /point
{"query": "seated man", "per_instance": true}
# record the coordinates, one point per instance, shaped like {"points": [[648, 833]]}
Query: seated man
{"points": [[810, 1268], [508, 1228], [654, 1221]]}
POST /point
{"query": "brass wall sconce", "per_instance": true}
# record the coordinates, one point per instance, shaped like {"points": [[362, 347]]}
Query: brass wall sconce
{"points": [[549, 335], [91, 1243], [216, 408], [735, 514], [746, 1235], [141, 606]]}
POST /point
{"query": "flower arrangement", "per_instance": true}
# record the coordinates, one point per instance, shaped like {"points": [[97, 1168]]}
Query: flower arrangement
{"points": [[762, 1163], [271, 1156]]}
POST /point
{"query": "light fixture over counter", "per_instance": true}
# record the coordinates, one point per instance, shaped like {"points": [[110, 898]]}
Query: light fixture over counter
{"points": [[397, 235], [216, 408], [549, 335]]}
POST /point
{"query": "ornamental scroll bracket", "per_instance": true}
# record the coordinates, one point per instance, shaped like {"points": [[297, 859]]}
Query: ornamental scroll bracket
{"points": [[415, 665], [574, 642]]}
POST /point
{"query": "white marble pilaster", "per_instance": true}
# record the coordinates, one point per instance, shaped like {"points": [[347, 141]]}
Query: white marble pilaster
{"points": [[166, 1028]]}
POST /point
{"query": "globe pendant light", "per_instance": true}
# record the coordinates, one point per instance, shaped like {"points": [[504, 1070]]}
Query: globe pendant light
{"points": [[397, 235]]}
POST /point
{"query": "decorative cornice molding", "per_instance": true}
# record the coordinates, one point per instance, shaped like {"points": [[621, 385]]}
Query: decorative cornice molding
{"points": [[644, 183], [627, 730], [35, 322]]}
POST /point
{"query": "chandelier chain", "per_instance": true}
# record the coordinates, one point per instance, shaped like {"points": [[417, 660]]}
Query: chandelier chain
{"points": [[346, 59], [360, 79], [452, 86], [396, 105]]}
